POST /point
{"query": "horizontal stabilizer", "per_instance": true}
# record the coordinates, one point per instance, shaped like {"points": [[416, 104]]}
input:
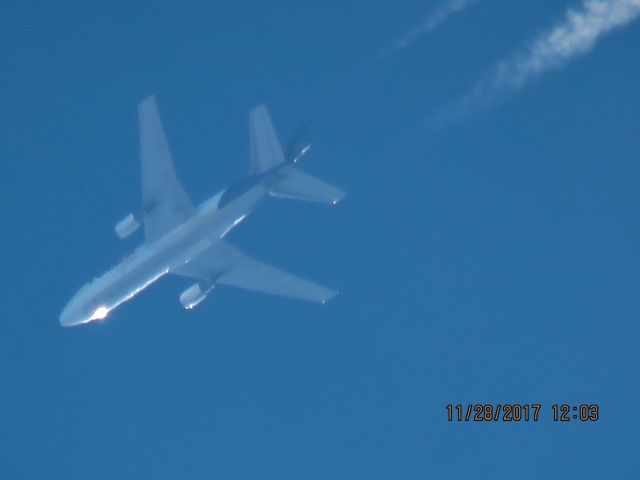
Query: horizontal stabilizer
{"points": [[300, 186]]}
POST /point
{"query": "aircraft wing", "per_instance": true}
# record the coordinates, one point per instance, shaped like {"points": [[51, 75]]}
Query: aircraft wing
{"points": [[165, 202], [226, 265]]}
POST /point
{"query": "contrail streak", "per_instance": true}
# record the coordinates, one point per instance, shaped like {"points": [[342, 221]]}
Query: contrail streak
{"points": [[575, 36], [428, 25]]}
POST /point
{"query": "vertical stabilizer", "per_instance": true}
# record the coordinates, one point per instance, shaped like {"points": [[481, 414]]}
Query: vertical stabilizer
{"points": [[266, 151]]}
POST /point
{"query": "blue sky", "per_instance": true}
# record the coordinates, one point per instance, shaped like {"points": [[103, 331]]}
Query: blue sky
{"points": [[489, 255]]}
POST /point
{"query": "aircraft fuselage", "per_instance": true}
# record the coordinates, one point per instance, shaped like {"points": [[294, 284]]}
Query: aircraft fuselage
{"points": [[213, 220]]}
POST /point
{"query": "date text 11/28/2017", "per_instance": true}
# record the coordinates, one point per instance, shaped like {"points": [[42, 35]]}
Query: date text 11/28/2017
{"points": [[515, 412]]}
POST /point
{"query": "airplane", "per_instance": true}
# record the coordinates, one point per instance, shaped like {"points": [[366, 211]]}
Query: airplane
{"points": [[189, 241]]}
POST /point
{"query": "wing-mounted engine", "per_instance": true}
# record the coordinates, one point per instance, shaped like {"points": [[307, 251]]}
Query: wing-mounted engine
{"points": [[195, 294], [128, 225], [131, 223]]}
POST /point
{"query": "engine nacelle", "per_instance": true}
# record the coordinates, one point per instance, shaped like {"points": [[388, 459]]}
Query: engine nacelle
{"points": [[127, 225], [195, 294]]}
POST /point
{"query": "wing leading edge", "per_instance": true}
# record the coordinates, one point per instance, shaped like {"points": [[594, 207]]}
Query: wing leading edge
{"points": [[224, 264]]}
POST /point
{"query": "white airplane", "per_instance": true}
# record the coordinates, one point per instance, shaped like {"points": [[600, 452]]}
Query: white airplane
{"points": [[189, 241]]}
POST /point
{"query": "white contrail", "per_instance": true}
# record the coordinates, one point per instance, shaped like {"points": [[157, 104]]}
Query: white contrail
{"points": [[553, 49], [428, 25]]}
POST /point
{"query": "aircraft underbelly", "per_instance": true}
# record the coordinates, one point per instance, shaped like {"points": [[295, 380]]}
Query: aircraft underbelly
{"points": [[173, 250]]}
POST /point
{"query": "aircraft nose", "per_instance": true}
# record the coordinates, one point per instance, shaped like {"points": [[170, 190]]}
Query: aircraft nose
{"points": [[70, 315], [66, 319]]}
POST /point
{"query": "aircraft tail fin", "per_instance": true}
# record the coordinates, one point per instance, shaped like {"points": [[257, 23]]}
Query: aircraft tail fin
{"points": [[266, 151], [298, 185]]}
